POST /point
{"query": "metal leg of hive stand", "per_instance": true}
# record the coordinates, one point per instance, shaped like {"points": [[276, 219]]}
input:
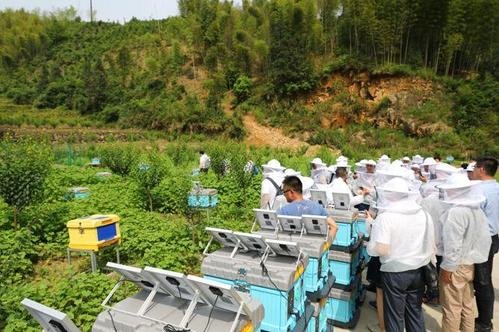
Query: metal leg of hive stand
{"points": [[69, 256], [118, 254], [93, 261]]}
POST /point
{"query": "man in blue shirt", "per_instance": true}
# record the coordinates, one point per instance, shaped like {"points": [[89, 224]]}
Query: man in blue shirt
{"points": [[485, 170], [292, 191]]}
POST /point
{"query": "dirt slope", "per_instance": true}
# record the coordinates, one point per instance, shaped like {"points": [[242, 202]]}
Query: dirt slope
{"points": [[259, 135]]}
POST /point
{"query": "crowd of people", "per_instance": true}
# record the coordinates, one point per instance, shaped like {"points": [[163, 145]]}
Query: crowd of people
{"points": [[424, 217]]}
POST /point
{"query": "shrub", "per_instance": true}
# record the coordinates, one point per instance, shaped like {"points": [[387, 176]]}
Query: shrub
{"points": [[17, 254], [156, 240], [170, 196], [148, 174], [22, 95], [24, 167], [119, 158], [242, 88]]}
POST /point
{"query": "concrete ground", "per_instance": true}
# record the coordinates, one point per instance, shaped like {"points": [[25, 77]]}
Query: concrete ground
{"points": [[433, 315]]}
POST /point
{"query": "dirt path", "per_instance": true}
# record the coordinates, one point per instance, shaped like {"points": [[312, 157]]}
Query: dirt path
{"points": [[259, 135]]}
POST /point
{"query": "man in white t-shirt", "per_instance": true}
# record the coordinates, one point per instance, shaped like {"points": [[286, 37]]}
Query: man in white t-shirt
{"points": [[204, 161], [402, 236]]}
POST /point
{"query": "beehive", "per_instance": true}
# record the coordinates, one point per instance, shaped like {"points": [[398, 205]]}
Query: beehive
{"points": [[94, 232]]}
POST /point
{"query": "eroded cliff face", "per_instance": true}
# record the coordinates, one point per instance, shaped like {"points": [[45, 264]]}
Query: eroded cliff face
{"points": [[381, 100]]}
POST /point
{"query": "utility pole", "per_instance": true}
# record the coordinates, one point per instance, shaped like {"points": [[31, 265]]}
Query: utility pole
{"points": [[91, 12]]}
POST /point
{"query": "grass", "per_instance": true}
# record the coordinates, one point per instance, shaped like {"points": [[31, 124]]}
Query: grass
{"points": [[27, 115]]}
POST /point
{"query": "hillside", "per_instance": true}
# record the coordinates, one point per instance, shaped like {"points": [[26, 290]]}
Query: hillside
{"points": [[209, 71]]}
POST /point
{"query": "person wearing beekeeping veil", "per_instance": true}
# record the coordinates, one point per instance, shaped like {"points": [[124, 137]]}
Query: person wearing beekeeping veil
{"points": [[428, 170], [466, 241], [273, 174], [402, 236], [340, 185], [383, 162], [365, 184], [417, 159], [319, 172], [434, 206], [406, 162]]}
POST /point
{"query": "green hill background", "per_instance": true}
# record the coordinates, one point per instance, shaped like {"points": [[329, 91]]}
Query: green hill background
{"points": [[358, 76]]}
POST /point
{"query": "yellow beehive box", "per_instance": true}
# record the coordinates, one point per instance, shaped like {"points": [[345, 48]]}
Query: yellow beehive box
{"points": [[94, 232]]}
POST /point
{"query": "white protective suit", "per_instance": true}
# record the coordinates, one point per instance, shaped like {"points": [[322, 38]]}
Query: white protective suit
{"points": [[432, 204], [272, 170], [465, 233], [402, 234], [340, 186], [319, 172]]}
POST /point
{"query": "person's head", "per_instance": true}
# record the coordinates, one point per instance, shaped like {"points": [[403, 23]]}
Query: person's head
{"points": [[292, 188], [485, 168], [429, 165], [437, 158], [370, 166], [317, 163], [201, 152], [341, 172], [464, 165]]}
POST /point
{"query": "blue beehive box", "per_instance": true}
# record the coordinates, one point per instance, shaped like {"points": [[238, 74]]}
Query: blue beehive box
{"points": [[347, 235], [77, 193], [204, 198], [345, 267], [343, 307], [319, 320], [95, 162], [282, 295], [317, 279]]}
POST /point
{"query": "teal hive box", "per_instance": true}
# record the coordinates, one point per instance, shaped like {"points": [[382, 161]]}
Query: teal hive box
{"points": [[343, 307], [317, 277], [282, 295], [204, 198], [347, 235], [345, 266], [77, 193], [319, 321], [362, 227], [95, 162]]}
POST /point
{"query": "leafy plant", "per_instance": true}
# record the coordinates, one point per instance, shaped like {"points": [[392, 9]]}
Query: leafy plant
{"points": [[242, 88], [24, 167], [149, 173], [17, 253], [119, 158]]}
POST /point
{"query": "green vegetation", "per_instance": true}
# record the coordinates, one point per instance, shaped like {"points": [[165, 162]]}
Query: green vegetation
{"points": [[24, 167], [363, 77], [173, 75], [164, 234]]}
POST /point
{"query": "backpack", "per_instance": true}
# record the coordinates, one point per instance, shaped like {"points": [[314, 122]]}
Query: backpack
{"points": [[278, 189], [279, 194]]}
